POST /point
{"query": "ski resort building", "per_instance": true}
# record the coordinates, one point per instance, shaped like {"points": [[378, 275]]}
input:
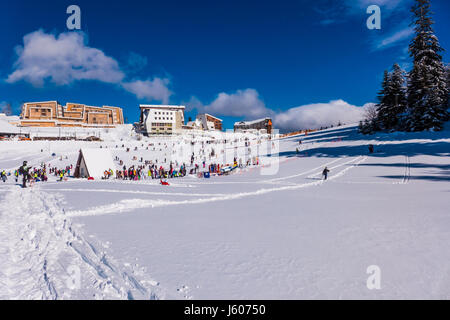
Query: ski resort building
{"points": [[194, 125], [209, 122], [261, 125], [52, 114], [7, 129], [93, 163], [161, 119]]}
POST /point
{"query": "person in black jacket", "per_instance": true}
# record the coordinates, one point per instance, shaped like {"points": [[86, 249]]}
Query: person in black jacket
{"points": [[325, 173], [23, 170]]}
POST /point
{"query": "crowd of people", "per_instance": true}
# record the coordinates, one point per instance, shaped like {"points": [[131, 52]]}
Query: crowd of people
{"points": [[202, 160], [144, 172], [30, 175]]}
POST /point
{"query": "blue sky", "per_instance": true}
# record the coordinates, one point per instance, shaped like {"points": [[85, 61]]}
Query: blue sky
{"points": [[304, 63]]}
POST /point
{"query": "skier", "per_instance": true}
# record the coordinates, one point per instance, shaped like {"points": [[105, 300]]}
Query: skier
{"points": [[23, 170], [325, 173], [3, 175]]}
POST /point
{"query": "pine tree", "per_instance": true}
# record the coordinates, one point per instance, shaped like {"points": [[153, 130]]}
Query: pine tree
{"points": [[447, 72], [398, 96], [427, 88], [382, 101], [392, 99]]}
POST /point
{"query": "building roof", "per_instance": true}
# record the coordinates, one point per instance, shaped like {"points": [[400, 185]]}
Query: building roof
{"points": [[42, 102], [71, 103], [157, 106], [97, 161], [247, 123], [207, 114]]}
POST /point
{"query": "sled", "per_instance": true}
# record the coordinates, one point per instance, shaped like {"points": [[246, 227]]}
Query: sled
{"points": [[164, 183]]}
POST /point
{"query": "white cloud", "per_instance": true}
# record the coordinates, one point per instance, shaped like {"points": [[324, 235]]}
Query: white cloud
{"points": [[155, 89], [327, 22], [247, 104], [62, 59], [395, 38], [67, 58], [337, 11], [243, 103], [387, 4], [194, 104], [136, 62], [318, 115]]}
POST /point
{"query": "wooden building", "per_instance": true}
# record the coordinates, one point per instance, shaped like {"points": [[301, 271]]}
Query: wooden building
{"points": [[52, 114], [210, 122], [264, 125]]}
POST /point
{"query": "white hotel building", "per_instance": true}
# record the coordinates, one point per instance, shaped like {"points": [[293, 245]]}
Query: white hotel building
{"points": [[161, 119]]}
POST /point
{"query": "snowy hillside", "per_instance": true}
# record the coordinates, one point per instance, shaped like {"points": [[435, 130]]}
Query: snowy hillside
{"points": [[271, 230]]}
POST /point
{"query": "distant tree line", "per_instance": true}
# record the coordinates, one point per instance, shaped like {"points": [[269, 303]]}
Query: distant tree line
{"points": [[418, 100], [6, 109]]}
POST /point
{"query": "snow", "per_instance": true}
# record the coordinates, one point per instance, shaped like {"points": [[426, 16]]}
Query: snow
{"points": [[6, 127], [248, 235], [247, 123]]}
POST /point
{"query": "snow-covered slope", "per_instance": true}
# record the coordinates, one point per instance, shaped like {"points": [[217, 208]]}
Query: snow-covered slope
{"points": [[249, 235], [5, 126]]}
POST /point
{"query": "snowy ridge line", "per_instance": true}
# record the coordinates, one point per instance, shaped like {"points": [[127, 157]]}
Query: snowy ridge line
{"points": [[132, 204], [37, 246]]}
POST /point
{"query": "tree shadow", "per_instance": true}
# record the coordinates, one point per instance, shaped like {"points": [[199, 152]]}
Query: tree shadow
{"points": [[406, 144], [421, 177], [439, 149], [352, 134], [412, 165]]}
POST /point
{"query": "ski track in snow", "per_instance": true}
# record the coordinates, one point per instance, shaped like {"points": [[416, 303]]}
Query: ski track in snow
{"points": [[407, 170], [138, 192], [128, 205], [37, 246]]}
